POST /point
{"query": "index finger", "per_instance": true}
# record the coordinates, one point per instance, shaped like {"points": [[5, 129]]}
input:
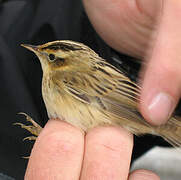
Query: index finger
{"points": [[57, 153], [107, 154]]}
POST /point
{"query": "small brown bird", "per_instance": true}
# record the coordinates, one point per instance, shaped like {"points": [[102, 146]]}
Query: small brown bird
{"points": [[83, 89]]}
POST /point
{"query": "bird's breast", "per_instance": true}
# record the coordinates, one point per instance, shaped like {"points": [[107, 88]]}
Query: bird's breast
{"points": [[60, 104], [54, 98]]}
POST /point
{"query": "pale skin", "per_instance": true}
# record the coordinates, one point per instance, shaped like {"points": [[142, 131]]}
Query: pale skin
{"points": [[64, 152]]}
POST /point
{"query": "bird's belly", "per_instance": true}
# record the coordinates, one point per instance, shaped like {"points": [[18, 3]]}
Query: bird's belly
{"points": [[65, 107]]}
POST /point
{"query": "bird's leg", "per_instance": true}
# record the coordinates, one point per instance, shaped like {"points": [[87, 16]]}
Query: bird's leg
{"points": [[34, 129]]}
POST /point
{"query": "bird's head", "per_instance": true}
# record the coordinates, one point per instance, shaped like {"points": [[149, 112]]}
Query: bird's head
{"points": [[63, 55]]}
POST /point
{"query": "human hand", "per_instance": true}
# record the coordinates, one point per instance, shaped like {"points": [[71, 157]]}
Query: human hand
{"points": [[145, 28], [61, 151]]}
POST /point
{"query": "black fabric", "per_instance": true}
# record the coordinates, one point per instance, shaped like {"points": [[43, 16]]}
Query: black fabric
{"points": [[35, 22]]}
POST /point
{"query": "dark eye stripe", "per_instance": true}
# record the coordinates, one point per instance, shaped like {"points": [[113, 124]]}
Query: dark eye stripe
{"points": [[60, 59]]}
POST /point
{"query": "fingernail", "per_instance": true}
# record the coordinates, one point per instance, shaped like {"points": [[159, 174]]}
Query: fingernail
{"points": [[160, 108]]}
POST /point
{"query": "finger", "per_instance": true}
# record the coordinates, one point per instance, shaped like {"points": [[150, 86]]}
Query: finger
{"points": [[162, 79], [125, 25], [143, 174], [57, 153], [107, 154]]}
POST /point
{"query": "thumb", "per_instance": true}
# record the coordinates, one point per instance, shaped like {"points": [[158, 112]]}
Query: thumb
{"points": [[162, 78]]}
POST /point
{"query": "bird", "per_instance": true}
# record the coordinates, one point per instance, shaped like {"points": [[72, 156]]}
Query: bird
{"points": [[83, 89]]}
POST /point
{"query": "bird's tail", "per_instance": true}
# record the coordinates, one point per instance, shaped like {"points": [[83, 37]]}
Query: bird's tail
{"points": [[171, 131]]}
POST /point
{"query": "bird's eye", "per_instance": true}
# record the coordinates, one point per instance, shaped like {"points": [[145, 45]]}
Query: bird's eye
{"points": [[51, 57]]}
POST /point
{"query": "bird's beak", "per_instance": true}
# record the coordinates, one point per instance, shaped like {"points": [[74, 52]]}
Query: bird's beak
{"points": [[30, 47]]}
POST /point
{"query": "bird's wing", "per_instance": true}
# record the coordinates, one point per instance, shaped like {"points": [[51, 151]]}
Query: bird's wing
{"points": [[105, 87], [116, 96]]}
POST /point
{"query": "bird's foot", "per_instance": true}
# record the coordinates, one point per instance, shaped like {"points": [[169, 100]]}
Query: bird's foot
{"points": [[34, 129]]}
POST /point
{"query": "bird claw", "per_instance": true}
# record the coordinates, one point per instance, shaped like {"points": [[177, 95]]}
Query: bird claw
{"points": [[34, 129], [30, 138]]}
